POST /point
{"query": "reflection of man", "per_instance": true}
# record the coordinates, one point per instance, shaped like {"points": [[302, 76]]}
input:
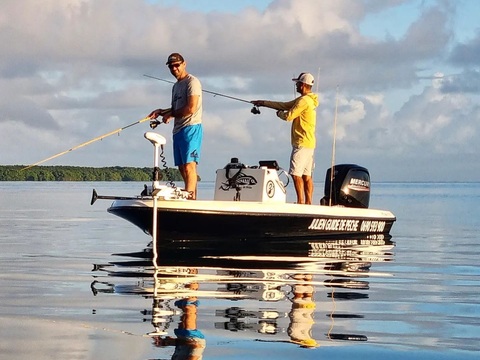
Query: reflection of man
{"points": [[301, 315], [190, 342]]}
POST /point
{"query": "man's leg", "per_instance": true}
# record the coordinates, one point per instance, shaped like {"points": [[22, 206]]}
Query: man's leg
{"points": [[301, 163], [299, 188], [308, 187], [186, 144], [189, 174]]}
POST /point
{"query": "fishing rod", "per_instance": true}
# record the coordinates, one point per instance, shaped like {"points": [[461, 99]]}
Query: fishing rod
{"points": [[153, 123], [101, 137], [254, 110]]}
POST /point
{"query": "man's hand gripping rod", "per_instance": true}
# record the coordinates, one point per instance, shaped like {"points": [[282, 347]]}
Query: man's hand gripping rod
{"points": [[155, 114]]}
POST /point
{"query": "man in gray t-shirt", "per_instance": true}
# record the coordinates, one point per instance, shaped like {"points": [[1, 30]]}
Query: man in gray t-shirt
{"points": [[186, 110]]}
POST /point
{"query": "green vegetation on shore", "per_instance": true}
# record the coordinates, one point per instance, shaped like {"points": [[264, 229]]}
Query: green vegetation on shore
{"points": [[78, 173]]}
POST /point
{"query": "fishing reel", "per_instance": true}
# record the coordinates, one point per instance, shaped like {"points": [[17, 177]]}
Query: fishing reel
{"points": [[154, 124], [255, 110]]}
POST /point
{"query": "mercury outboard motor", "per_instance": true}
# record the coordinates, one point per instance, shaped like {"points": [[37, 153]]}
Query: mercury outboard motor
{"points": [[349, 187]]}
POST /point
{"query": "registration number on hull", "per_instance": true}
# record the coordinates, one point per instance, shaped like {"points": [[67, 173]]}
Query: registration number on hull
{"points": [[348, 225]]}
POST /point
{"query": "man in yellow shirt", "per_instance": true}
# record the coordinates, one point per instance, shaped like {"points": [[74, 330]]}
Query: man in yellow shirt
{"points": [[301, 112]]}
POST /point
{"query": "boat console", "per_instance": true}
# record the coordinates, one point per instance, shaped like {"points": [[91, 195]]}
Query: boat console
{"points": [[238, 182]]}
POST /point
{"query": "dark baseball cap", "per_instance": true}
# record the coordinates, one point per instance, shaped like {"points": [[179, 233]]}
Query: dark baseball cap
{"points": [[173, 58]]}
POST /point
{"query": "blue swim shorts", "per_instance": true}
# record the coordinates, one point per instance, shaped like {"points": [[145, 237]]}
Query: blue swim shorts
{"points": [[187, 144]]}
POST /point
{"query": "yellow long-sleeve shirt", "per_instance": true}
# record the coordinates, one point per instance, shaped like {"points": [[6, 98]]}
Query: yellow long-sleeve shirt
{"points": [[303, 115]]}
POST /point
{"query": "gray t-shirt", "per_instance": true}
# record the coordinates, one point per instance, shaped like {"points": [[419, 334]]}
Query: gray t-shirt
{"points": [[180, 92]]}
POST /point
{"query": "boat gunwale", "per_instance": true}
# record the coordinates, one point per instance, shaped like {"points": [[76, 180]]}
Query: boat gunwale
{"points": [[247, 208]]}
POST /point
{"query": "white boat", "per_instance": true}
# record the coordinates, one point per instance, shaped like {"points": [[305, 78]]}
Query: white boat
{"points": [[250, 204]]}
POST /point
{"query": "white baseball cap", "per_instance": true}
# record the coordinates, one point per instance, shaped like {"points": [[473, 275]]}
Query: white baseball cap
{"points": [[305, 78]]}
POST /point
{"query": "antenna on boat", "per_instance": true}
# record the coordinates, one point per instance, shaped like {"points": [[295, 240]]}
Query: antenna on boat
{"points": [[332, 168], [158, 141], [294, 87]]}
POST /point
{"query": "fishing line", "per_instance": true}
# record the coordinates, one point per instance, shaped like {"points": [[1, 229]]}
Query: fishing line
{"points": [[204, 90], [254, 109]]}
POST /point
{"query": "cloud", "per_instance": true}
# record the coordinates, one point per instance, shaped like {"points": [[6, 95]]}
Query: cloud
{"points": [[466, 82], [73, 70], [439, 122], [468, 53]]}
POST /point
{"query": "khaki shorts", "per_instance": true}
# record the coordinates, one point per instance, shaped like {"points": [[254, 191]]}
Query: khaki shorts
{"points": [[302, 161]]}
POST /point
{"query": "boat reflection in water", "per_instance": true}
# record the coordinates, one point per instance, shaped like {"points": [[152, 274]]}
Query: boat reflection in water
{"points": [[274, 292]]}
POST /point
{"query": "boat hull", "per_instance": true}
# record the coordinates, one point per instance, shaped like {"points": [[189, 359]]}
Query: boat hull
{"points": [[203, 220]]}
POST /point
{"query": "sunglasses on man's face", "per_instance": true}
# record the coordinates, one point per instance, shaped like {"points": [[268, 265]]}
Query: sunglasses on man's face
{"points": [[173, 66]]}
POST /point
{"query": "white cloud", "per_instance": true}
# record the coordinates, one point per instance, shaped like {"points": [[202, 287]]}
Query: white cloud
{"points": [[73, 70]]}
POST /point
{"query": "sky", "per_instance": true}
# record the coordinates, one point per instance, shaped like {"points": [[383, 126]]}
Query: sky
{"points": [[398, 81]]}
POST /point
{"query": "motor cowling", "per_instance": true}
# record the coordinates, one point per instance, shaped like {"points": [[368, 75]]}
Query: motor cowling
{"points": [[349, 186]]}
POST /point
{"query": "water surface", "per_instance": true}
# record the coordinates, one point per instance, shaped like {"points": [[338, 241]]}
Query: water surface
{"points": [[64, 295]]}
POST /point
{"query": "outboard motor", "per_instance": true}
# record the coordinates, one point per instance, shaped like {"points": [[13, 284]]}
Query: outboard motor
{"points": [[349, 187]]}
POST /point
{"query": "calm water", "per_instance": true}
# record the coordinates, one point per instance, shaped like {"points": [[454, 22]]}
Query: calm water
{"points": [[64, 295]]}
